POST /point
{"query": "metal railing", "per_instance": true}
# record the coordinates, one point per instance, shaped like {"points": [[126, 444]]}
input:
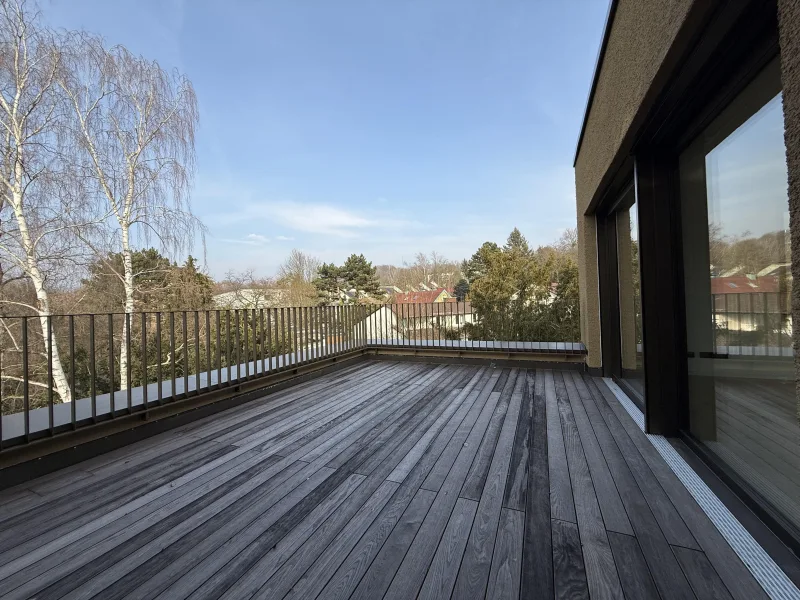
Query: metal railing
{"points": [[100, 367]]}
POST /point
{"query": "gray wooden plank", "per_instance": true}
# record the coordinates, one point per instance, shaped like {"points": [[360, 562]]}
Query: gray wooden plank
{"points": [[614, 515], [517, 483], [504, 579], [184, 575], [537, 554], [476, 478], [24, 538], [667, 574], [473, 574], [562, 506], [75, 550], [454, 400], [378, 577], [672, 524], [442, 572], [738, 579], [702, 576], [442, 467], [315, 578], [410, 575], [632, 567], [305, 556], [389, 532], [351, 570], [282, 582], [568, 569], [601, 572], [383, 569], [105, 570]]}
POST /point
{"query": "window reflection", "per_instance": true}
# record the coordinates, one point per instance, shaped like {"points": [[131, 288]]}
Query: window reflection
{"points": [[630, 300], [738, 285]]}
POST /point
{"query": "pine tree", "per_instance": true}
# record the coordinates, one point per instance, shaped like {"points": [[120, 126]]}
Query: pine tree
{"points": [[517, 241], [359, 274], [329, 282], [461, 290]]}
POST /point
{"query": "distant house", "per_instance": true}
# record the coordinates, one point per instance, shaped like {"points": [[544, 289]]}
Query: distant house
{"points": [[251, 298], [398, 321], [431, 296]]}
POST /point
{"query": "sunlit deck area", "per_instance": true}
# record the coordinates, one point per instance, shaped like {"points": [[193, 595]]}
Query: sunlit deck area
{"points": [[381, 480]]}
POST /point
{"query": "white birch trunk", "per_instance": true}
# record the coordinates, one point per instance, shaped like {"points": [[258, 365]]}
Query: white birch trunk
{"points": [[127, 261], [35, 274]]}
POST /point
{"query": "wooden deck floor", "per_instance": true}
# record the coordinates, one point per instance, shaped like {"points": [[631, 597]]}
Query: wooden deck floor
{"points": [[394, 480]]}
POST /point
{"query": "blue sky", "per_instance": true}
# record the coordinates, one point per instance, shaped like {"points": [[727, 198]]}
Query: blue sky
{"points": [[384, 127]]}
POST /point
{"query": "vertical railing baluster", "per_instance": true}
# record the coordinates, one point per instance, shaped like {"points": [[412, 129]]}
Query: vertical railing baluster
{"points": [[238, 343], [295, 333], [268, 348], [283, 338], [71, 328], [50, 420], [185, 326], [196, 352], [254, 324], [209, 366], [262, 337], [145, 377], [92, 370], [111, 404], [246, 347], [172, 352], [299, 325], [228, 343], [128, 369], [160, 391], [219, 347], [26, 400]]}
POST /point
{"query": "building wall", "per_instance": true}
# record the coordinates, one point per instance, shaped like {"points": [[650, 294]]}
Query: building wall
{"points": [[789, 31], [641, 33]]}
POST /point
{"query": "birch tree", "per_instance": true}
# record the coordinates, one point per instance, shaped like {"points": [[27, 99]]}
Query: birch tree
{"points": [[31, 222], [135, 123]]}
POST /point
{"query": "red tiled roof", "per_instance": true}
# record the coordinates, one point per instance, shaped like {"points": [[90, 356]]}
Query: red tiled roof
{"points": [[418, 297], [744, 285]]}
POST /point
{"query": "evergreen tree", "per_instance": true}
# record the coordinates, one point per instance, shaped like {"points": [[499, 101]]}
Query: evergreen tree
{"points": [[475, 267], [360, 275], [461, 290], [329, 282], [517, 241]]}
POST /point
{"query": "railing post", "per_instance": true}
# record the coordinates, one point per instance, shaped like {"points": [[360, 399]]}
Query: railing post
{"points": [[25, 390], [92, 369], [111, 396], [128, 369], [50, 423], [160, 391]]}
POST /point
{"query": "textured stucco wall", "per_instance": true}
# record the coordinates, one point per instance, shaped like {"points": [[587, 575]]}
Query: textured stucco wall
{"points": [[641, 34], [789, 29]]}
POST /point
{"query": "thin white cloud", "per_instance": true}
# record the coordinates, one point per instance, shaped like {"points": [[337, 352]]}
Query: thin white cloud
{"points": [[257, 238], [284, 238], [320, 219], [251, 239]]}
